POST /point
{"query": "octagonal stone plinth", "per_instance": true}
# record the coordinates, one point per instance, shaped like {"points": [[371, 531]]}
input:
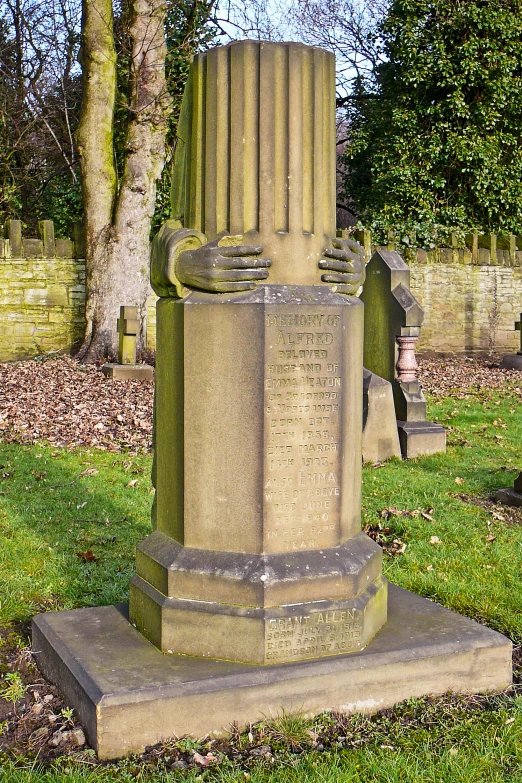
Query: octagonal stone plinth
{"points": [[258, 480]]}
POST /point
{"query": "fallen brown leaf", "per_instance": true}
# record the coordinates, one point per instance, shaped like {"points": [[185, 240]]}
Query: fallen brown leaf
{"points": [[89, 472], [87, 557], [204, 761]]}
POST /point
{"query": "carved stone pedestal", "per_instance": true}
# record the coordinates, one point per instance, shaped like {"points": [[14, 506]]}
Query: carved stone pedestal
{"points": [[258, 554]]}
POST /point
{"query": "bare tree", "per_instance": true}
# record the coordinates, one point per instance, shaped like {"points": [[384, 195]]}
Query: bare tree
{"points": [[38, 98], [118, 214], [350, 29]]}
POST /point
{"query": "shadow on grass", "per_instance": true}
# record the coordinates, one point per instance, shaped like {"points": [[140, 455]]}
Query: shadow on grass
{"points": [[68, 539]]}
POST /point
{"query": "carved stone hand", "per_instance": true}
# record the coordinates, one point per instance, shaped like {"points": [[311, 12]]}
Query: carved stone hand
{"points": [[183, 257], [345, 264], [222, 266]]}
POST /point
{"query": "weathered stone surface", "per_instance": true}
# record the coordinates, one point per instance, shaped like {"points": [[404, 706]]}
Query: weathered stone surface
{"points": [[262, 580], [462, 306], [258, 460], [380, 439], [122, 372], [301, 631], [128, 695], [40, 294], [459, 304], [256, 156]]}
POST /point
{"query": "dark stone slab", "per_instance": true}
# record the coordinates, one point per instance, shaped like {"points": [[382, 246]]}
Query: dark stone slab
{"points": [[418, 438], [512, 361], [128, 695], [509, 497]]}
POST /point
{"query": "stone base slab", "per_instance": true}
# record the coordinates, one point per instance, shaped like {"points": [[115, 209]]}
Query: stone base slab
{"points": [[128, 695], [125, 372], [419, 438], [509, 497]]}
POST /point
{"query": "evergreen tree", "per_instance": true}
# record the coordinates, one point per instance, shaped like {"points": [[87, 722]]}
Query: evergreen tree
{"points": [[437, 138]]}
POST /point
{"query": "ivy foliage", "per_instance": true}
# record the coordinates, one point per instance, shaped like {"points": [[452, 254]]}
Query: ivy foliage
{"points": [[436, 138]]}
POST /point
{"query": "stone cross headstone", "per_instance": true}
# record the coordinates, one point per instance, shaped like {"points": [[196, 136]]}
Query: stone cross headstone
{"points": [[128, 327], [257, 590]]}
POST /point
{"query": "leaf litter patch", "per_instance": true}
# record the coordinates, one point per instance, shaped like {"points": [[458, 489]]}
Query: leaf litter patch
{"points": [[72, 405], [508, 515], [459, 376]]}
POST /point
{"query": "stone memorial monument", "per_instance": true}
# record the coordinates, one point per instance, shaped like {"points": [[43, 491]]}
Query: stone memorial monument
{"points": [[392, 322], [128, 329], [380, 436], [257, 590]]}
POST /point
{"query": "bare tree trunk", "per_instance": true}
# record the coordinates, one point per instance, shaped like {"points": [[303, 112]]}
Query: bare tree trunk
{"points": [[118, 225], [94, 140]]}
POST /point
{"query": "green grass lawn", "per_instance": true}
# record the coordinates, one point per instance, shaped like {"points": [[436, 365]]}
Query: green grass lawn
{"points": [[70, 520]]}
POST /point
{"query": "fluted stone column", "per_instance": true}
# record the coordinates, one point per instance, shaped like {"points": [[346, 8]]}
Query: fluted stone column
{"points": [[256, 152]]}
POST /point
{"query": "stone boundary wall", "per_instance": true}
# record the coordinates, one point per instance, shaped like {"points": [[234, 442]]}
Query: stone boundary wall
{"points": [[470, 290], [42, 292]]}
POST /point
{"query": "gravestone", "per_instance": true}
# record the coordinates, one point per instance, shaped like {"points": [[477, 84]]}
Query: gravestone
{"points": [[128, 327], [257, 590], [513, 361], [258, 535], [392, 322], [380, 437]]}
